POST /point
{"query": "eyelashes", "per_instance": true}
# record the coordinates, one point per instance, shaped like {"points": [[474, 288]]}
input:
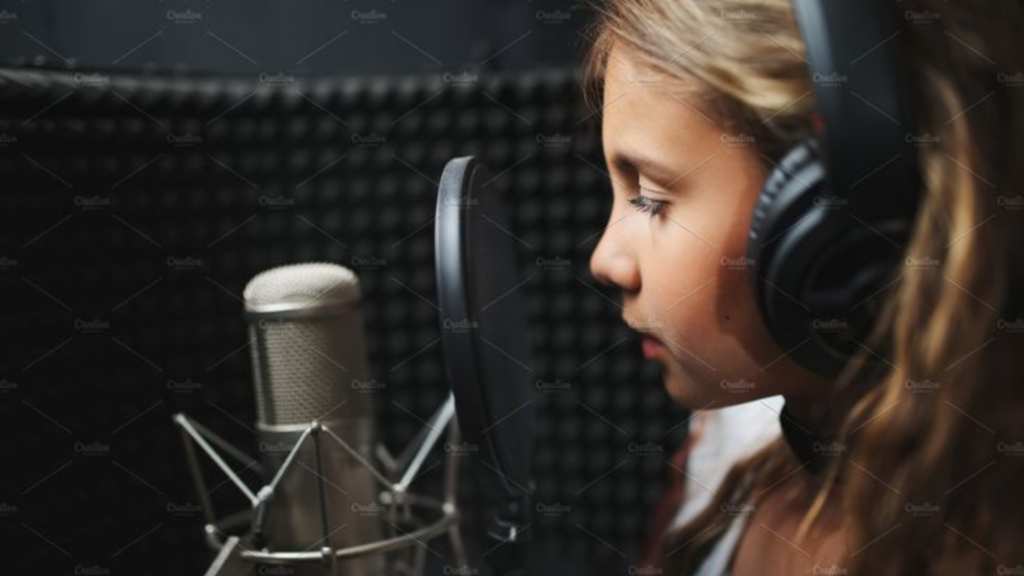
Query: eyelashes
{"points": [[647, 204]]}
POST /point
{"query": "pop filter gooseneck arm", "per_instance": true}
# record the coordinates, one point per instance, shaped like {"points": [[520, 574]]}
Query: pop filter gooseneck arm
{"points": [[487, 354]]}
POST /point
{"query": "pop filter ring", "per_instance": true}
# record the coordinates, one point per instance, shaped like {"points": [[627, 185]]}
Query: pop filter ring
{"points": [[476, 268]]}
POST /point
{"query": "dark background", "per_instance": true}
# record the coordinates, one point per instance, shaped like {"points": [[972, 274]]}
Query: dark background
{"points": [[151, 163]]}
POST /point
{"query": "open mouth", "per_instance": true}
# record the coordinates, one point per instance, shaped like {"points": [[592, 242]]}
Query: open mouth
{"points": [[651, 346]]}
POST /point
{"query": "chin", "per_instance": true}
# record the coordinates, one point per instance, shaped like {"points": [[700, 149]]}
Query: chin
{"points": [[684, 391], [695, 394]]}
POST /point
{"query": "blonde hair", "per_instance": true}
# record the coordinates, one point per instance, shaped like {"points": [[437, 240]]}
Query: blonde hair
{"points": [[936, 453]]}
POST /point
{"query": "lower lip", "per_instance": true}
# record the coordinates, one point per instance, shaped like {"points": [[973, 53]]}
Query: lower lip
{"points": [[651, 347]]}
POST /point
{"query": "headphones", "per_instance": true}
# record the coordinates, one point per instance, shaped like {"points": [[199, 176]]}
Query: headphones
{"points": [[830, 223]]}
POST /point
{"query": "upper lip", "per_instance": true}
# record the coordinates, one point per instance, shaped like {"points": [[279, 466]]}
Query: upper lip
{"points": [[644, 330]]}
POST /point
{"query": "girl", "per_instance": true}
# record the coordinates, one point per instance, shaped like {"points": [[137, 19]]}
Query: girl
{"points": [[912, 470]]}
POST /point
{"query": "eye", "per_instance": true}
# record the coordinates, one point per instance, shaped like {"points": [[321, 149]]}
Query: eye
{"points": [[647, 204]]}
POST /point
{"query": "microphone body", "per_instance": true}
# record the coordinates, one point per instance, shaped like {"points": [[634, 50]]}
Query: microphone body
{"points": [[309, 363]]}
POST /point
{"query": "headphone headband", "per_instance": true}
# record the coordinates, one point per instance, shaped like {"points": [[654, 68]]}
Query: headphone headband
{"points": [[855, 57]]}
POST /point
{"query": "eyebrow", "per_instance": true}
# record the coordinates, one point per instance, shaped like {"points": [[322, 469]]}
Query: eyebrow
{"points": [[657, 171]]}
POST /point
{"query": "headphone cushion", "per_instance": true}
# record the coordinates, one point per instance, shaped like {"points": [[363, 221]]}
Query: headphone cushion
{"points": [[791, 170], [785, 173]]}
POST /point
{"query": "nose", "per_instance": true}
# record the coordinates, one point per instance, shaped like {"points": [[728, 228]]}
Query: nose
{"points": [[613, 263]]}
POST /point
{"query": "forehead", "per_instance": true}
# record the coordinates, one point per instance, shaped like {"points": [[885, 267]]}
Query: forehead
{"points": [[646, 111], [625, 71]]}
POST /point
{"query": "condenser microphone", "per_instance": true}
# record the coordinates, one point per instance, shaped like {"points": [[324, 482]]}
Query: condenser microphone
{"points": [[310, 367]]}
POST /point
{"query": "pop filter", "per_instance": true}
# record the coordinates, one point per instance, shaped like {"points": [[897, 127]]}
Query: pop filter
{"points": [[486, 345]]}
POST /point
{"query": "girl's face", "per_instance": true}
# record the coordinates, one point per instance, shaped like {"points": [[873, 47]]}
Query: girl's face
{"points": [[675, 243]]}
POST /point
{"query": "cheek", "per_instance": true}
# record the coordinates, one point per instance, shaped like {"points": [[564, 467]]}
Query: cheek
{"points": [[698, 277], [688, 251], [682, 276], [703, 251]]}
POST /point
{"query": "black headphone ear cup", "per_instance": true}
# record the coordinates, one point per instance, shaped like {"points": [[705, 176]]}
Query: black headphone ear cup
{"points": [[784, 228], [814, 265]]}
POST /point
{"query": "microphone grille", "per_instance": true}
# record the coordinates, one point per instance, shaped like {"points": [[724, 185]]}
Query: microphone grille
{"points": [[305, 323], [304, 285]]}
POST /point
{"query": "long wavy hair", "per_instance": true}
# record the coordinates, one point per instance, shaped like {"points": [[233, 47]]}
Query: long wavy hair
{"points": [[931, 481]]}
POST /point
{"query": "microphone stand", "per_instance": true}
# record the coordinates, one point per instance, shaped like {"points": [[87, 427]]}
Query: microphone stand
{"points": [[237, 556]]}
